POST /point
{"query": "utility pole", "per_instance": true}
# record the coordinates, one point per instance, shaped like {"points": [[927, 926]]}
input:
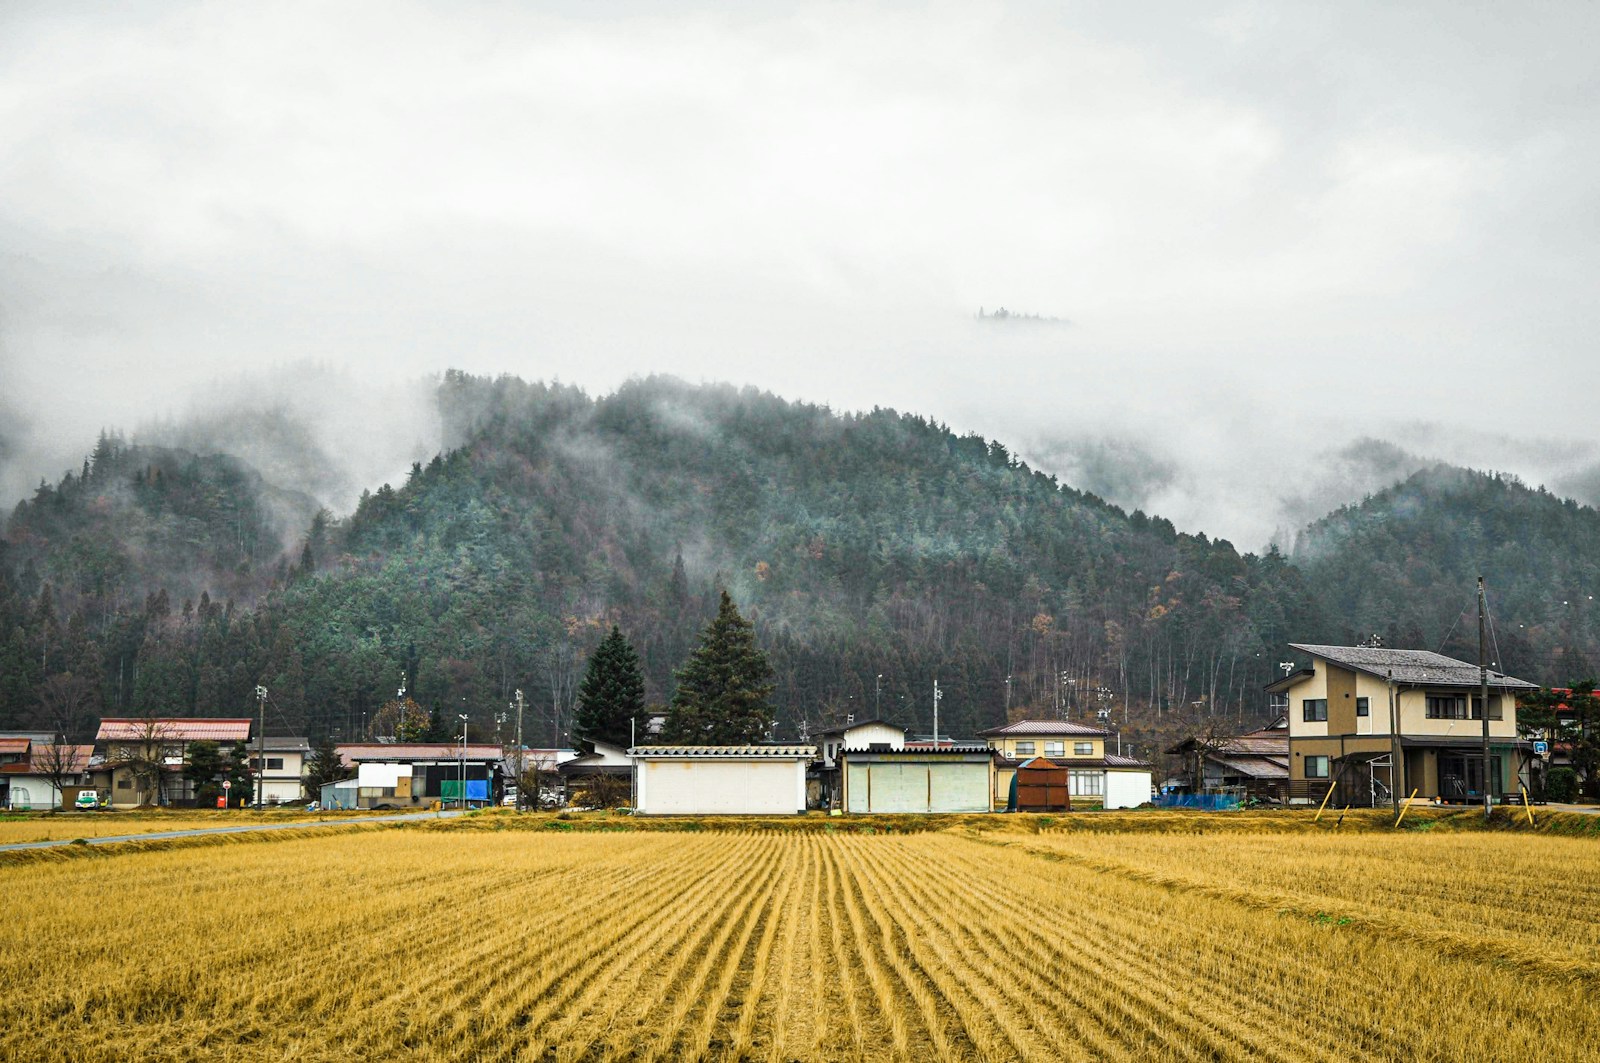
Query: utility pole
{"points": [[1394, 750], [521, 766], [463, 760], [937, 694], [877, 696], [261, 747], [1483, 693]]}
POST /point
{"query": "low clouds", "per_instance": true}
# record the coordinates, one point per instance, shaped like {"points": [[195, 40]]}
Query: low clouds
{"points": [[1276, 231]]}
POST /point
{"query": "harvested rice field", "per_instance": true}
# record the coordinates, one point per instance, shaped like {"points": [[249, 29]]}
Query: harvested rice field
{"points": [[544, 945]]}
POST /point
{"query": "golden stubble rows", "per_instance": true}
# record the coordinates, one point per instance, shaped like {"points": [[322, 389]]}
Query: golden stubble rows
{"points": [[517, 946]]}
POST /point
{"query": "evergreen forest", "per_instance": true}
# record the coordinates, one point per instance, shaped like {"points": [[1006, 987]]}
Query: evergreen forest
{"points": [[874, 553]]}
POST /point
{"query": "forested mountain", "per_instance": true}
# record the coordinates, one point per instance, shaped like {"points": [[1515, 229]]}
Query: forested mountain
{"points": [[1403, 564], [861, 545]]}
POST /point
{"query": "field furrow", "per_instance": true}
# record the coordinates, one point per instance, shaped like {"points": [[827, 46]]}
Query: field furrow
{"points": [[553, 946]]}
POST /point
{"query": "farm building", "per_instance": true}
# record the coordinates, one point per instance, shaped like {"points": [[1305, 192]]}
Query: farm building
{"points": [[765, 780], [601, 774], [1102, 778], [1254, 764], [416, 774], [955, 779]]}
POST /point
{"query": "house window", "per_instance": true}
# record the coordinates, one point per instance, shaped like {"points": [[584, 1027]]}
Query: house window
{"points": [[1363, 707], [124, 783], [1495, 712], [1316, 767], [1086, 783], [1083, 749], [273, 764], [1314, 710], [1447, 707], [1055, 749], [1024, 749]]}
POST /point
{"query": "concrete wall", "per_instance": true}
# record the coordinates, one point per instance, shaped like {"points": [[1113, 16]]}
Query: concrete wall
{"points": [[918, 785]]}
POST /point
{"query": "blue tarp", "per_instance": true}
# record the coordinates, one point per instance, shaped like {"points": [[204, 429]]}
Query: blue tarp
{"points": [[1209, 802]]}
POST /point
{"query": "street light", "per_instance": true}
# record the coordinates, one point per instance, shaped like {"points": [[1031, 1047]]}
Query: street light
{"points": [[463, 759]]}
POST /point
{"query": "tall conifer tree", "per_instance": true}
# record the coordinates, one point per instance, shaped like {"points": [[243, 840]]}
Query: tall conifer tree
{"points": [[725, 687], [611, 694]]}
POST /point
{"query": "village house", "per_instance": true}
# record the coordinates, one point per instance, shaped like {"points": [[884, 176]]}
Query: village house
{"points": [[1098, 777], [868, 734], [1254, 764], [601, 774], [31, 763], [402, 775], [1340, 734], [282, 780], [755, 779], [142, 759]]}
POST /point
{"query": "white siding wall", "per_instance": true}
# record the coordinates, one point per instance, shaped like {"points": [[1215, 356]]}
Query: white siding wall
{"points": [[1127, 789], [767, 787]]}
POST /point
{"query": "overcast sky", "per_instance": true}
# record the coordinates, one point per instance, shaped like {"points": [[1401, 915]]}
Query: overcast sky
{"points": [[1272, 229]]}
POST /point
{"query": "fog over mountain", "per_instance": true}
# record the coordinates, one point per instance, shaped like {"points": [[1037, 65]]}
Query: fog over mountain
{"points": [[1301, 252]]}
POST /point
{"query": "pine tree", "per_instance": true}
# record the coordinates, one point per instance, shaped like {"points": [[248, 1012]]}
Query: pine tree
{"points": [[724, 688], [611, 694]]}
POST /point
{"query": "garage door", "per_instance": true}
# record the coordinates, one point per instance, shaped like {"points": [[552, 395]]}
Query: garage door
{"points": [[718, 787]]}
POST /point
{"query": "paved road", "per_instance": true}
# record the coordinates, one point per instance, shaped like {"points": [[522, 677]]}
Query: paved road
{"points": [[1591, 810], [407, 817]]}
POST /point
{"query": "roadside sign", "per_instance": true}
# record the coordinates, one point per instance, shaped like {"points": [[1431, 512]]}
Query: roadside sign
{"points": [[227, 784], [1541, 749]]}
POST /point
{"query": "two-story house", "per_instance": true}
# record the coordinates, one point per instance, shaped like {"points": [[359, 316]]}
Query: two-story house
{"points": [[1115, 781], [143, 759], [1340, 708]]}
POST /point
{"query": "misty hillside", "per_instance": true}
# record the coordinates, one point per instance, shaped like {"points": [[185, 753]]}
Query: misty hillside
{"points": [[862, 545], [139, 519], [1404, 564]]}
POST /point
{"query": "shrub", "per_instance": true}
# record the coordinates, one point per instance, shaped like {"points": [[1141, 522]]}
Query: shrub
{"points": [[1561, 784]]}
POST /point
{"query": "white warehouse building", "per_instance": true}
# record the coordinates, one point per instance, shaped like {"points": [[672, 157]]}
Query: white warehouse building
{"points": [[749, 780]]}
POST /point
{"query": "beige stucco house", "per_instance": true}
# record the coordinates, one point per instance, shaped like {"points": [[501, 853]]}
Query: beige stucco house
{"points": [[1340, 734]]}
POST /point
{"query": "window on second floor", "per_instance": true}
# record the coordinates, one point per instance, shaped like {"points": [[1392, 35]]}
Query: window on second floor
{"points": [[1024, 749], [1316, 767], [1314, 710], [1083, 749], [1363, 706], [1447, 707], [1055, 749]]}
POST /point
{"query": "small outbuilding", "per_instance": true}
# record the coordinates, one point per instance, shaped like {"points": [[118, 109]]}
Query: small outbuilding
{"points": [[1040, 785], [747, 780], [959, 778]]}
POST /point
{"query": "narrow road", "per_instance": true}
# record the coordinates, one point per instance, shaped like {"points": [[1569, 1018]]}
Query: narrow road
{"points": [[407, 817]]}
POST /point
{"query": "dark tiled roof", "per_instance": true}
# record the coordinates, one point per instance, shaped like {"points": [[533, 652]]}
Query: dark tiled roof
{"points": [[1413, 667], [1031, 728]]}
